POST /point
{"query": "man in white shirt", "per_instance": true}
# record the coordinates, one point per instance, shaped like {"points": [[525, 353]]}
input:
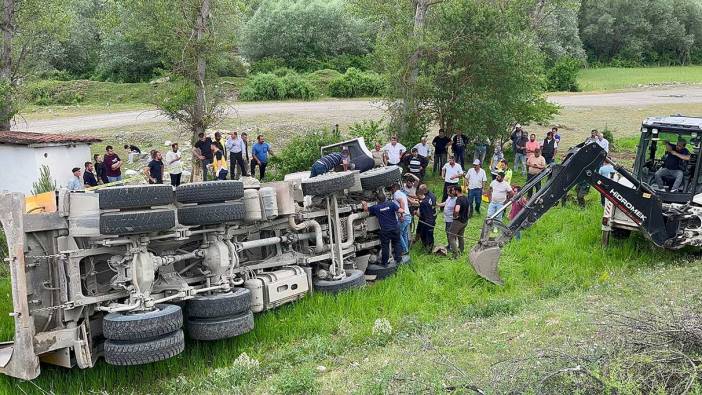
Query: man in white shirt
{"points": [[476, 178], [423, 149], [500, 191], [394, 151], [451, 172], [236, 148], [174, 164], [602, 142]]}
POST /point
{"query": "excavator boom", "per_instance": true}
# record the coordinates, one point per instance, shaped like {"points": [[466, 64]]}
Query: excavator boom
{"points": [[582, 164]]}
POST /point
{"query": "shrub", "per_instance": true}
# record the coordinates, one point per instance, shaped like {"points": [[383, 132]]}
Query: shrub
{"points": [[296, 381], [45, 183], [46, 93], [267, 65], [608, 134], [563, 76], [321, 79], [356, 83], [282, 71], [370, 130], [297, 87], [302, 151], [266, 86]]}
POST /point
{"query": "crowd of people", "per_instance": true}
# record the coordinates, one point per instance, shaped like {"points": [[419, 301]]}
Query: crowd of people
{"points": [[220, 158]]}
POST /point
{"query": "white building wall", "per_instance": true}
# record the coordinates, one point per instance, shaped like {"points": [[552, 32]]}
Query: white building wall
{"points": [[19, 164]]}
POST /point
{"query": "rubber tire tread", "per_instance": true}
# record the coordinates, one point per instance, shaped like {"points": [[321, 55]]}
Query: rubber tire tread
{"points": [[328, 183], [210, 191], [135, 196], [218, 328], [380, 177], [213, 213], [134, 222], [123, 353], [353, 279], [380, 272], [167, 318], [218, 305]]}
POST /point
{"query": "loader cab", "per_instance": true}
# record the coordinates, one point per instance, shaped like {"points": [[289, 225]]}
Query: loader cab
{"points": [[656, 134]]}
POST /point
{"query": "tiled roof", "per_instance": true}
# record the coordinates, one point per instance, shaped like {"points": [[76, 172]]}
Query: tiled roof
{"points": [[28, 138]]}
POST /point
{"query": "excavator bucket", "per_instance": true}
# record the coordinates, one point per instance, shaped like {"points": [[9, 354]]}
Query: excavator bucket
{"points": [[484, 261]]}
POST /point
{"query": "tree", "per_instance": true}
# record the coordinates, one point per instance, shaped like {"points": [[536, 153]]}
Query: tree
{"points": [[190, 35], [302, 31]]}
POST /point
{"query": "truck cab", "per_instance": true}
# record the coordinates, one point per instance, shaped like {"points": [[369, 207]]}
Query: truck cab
{"points": [[656, 133]]}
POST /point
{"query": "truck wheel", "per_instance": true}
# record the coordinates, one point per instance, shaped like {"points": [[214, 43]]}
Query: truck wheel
{"points": [[126, 353], [218, 328], [163, 319], [208, 214], [328, 183], [222, 304], [380, 177], [380, 272], [133, 222], [210, 191], [353, 279], [135, 196]]}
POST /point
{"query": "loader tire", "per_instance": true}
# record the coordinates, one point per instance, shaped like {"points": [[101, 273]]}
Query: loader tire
{"points": [[328, 183], [380, 272], [135, 196], [127, 353], [145, 325], [353, 279], [380, 177], [218, 305], [210, 191], [209, 214], [218, 328], [133, 222]]}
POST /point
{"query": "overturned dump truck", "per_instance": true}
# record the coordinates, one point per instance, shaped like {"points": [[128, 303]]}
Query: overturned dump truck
{"points": [[128, 273]]}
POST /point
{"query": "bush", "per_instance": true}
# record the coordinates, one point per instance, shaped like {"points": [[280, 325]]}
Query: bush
{"points": [[46, 93], [371, 131], [267, 65], [269, 86], [356, 83], [608, 134], [563, 76], [321, 79], [302, 151]]}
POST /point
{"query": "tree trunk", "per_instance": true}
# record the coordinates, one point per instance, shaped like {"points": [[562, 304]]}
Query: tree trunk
{"points": [[198, 118], [409, 100], [8, 32]]}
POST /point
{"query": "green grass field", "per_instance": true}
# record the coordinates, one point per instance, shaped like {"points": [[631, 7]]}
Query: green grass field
{"points": [[609, 78], [559, 255]]}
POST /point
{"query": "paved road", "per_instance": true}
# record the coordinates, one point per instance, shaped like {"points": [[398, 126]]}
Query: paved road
{"points": [[364, 108]]}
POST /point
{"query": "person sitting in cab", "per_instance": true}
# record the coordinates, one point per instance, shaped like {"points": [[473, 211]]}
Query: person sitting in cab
{"points": [[673, 164]]}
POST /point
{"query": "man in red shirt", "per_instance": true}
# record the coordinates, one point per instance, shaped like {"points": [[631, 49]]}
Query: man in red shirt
{"points": [[531, 146], [113, 165]]}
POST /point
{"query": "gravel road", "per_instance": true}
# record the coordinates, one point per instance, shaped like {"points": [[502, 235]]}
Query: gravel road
{"points": [[364, 109]]}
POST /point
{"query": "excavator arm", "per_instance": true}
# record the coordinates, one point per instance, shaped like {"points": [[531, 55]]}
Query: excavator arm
{"points": [[582, 164]]}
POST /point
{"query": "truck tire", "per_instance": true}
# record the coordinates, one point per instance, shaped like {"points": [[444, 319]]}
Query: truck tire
{"points": [[210, 191], [209, 214], [353, 279], [380, 177], [219, 328], [218, 305], [133, 222], [380, 272], [328, 183], [126, 353], [135, 196], [144, 325]]}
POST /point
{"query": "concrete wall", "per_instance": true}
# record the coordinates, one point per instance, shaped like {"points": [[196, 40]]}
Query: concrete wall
{"points": [[19, 164]]}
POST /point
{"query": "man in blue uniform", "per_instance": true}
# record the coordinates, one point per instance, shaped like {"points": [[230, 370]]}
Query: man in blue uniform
{"points": [[386, 211]]}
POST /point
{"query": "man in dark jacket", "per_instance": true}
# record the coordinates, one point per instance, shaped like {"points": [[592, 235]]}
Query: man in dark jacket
{"points": [[549, 148], [427, 217]]}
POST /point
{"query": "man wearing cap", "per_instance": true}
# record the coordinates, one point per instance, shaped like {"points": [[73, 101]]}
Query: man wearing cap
{"points": [[75, 183], [499, 192], [476, 180], [673, 164]]}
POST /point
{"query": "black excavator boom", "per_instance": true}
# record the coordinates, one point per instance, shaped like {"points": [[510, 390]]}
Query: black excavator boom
{"points": [[582, 164]]}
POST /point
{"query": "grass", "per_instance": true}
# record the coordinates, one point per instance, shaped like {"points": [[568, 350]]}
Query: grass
{"points": [[610, 78], [541, 266]]}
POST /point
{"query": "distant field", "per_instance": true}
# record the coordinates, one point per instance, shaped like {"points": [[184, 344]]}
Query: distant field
{"points": [[609, 78]]}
